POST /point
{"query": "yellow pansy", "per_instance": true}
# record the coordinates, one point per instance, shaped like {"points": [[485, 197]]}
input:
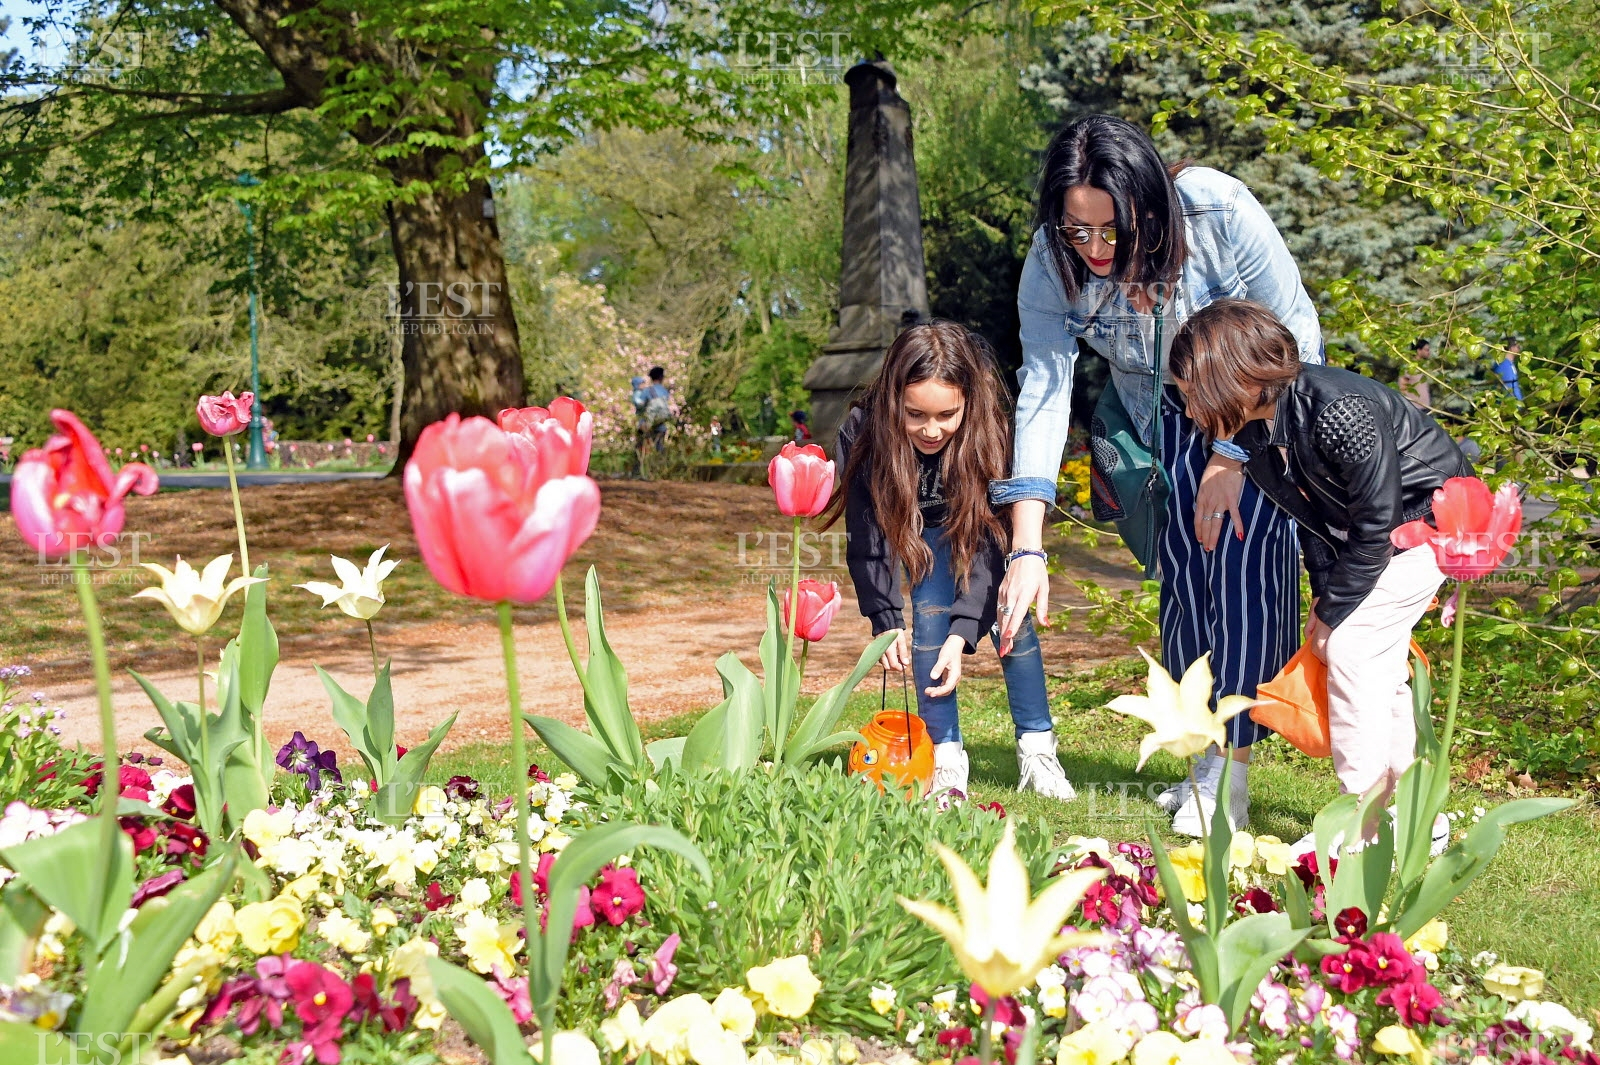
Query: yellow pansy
{"points": [[216, 929], [1099, 1043], [567, 1048], [712, 1044], [1431, 937], [383, 919], [666, 1031], [1514, 982], [337, 928], [264, 829], [1242, 851], [430, 801], [1274, 854], [735, 1012], [271, 927], [487, 943], [624, 1032], [816, 1052], [1401, 1042], [1189, 863], [787, 985], [303, 887], [882, 999]]}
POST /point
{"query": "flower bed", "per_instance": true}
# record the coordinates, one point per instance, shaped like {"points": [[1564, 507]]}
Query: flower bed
{"points": [[716, 898]]}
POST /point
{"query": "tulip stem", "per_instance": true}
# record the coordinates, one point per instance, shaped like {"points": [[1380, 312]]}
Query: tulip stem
{"points": [[238, 510], [805, 651], [110, 768], [794, 619], [519, 769], [372, 642], [985, 1039], [205, 732], [1455, 674]]}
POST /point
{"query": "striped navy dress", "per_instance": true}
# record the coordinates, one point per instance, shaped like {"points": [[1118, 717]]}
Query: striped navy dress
{"points": [[1240, 602]]}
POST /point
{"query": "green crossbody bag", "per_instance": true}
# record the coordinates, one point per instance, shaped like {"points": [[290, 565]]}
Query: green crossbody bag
{"points": [[1127, 484]]}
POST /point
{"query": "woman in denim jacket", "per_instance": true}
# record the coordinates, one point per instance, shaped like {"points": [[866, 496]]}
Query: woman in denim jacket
{"points": [[1119, 235]]}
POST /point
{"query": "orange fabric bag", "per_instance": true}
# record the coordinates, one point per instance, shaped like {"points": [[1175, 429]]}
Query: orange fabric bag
{"points": [[1294, 704]]}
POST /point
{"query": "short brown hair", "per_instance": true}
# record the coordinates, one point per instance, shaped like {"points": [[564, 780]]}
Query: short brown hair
{"points": [[1235, 356]]}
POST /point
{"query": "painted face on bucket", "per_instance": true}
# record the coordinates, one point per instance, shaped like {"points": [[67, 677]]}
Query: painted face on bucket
{"points": [[932, 411]]}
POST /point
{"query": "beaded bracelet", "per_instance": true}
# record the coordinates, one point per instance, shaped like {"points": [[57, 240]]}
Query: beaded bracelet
{"points": [[1013, 556]]}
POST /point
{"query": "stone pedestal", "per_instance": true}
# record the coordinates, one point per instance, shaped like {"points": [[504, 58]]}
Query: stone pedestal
{"points": [[882, 282]]}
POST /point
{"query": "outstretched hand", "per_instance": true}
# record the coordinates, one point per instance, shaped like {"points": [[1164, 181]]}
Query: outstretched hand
{"points": [[947, 667]]}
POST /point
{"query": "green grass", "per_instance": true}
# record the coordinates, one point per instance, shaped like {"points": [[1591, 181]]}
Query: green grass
{"points": [[1538, 904]]}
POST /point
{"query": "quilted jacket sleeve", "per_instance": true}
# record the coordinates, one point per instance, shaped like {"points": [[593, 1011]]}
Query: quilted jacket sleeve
{"points": [[1362, 454]]}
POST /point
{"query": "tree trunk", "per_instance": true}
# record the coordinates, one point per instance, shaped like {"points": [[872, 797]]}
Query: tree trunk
{"points": [[460, 348]]}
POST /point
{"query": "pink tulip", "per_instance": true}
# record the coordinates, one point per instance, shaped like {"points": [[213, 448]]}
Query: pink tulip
{"points": [[566, 427], [802, 479], [818, 604], [198, 447], [1475, 529], [492, 520], [225, 415], [64, 496]]}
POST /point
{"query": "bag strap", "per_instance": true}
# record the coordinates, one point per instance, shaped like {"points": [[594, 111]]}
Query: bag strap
{"points": [[1155, 433]]}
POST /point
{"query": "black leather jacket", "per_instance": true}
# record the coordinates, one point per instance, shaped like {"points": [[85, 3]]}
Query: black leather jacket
{"points": [[876, 572], [1362, 461]]}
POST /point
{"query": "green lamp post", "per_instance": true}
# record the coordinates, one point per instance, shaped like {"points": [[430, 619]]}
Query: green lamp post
{"points": [[256, 459]]}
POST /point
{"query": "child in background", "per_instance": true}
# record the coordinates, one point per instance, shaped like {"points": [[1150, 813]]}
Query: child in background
{"points": [[1351, 460], [916, 455]]}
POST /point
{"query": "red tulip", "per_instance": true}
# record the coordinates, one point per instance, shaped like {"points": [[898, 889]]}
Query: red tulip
{"points": [[225, 415], [802, 479], [818, 604], [495, 518], [64, 496], [1475, 528], [567, 426]]}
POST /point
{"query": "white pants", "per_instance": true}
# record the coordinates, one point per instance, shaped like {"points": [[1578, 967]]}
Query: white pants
{"points": [[1370, 721]]}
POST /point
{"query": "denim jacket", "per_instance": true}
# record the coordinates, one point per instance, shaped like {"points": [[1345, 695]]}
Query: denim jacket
{"points": [[1234, 250]]}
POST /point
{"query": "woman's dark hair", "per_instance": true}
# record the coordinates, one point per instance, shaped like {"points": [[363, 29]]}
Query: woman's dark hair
{"points": [[1118, 158], [1234, 356], [977, 453]]}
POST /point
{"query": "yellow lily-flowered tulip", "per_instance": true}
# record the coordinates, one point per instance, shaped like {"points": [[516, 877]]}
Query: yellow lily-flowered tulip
{"points": [[195, 600], [361, 594], [1000, 937], [1179, 712]]}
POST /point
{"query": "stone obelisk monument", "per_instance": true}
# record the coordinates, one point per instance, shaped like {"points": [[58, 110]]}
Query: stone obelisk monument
{"points": [[882, 283]]}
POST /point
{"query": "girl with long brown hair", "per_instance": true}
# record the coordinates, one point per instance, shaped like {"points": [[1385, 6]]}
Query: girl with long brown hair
{"points": [[917, 452]]}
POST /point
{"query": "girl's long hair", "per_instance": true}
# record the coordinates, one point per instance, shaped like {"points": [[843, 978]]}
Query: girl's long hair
{"points": [[978, 451], [1119, 158]]}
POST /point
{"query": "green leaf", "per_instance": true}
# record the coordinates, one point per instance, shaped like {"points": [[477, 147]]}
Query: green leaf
{"points": [[825, 712], [741, 732], [1363, 877], [781, 682], [22, 918], [1427, 745], [1455, 870], [482, 1013], [702, 747], [1421, 795], [606, 693], [830, 741], [1218, 851], [585, 755], [1246, 949], [258, 658], [395, 800], [141, 956], [380, 723], [1202, 950], [664, 752], [21, 1042], [350, 714], [580, 860], [67, 870]]}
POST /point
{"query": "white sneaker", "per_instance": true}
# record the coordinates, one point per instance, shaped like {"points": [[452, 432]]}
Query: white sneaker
{"points": [[1187, 820], [1173, 797], [1038, 769], [949, 769]]}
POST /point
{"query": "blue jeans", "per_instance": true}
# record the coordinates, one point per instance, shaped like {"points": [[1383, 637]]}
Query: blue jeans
{"points": [[931, 600]]}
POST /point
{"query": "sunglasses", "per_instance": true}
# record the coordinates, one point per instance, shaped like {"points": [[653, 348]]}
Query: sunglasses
{"points": [[1081, 235]]}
